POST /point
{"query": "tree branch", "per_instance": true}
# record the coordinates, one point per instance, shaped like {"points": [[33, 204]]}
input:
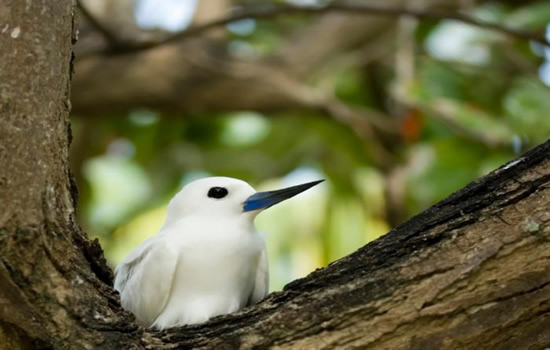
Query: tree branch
{"points": [[207, 81], [364, 10], [211, 83], [107, 33], [458, 275], [354, 9], [445, 111]]}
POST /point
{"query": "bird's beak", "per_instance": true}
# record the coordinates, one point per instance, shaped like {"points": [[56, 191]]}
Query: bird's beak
{"points": [[263, 200]]}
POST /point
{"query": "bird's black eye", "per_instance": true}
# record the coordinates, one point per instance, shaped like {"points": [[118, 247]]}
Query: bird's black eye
{"points": [[217, 192]]}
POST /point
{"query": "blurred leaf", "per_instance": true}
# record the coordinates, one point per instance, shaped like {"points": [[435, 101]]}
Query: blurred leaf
{"points": [[118, 186], [442, 166], [527, 105], [534, 15]]}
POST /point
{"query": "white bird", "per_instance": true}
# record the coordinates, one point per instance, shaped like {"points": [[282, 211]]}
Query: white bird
{"points": [[206, 260]]}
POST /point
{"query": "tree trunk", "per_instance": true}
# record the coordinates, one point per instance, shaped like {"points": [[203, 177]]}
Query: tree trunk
{"points": [[54, 290], [471, 272]]}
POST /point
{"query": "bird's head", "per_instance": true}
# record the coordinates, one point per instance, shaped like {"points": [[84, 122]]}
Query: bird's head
{"points": [[223, 196]]}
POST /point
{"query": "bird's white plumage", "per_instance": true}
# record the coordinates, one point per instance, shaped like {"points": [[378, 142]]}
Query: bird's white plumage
{"points": [[261, 282], [145, 278], [208, 259]]}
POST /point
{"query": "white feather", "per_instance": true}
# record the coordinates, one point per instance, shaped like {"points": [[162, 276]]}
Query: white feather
{"points": [[144, 279], [261, 282], [199, 265], [207, 260]]}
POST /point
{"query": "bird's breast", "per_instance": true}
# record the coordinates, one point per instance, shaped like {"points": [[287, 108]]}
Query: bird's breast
{"points": [[215, 275]]}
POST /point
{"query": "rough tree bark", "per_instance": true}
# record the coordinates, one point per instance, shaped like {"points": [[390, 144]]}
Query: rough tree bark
{"points": [[51, 289], [471, 272]]}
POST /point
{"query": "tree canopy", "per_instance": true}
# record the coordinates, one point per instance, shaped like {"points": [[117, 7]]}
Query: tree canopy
{"points": [[395, 111]]}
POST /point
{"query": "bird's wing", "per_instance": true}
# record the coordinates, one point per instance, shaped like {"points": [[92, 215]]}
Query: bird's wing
{"points": [[261, 284], [144, 279]]}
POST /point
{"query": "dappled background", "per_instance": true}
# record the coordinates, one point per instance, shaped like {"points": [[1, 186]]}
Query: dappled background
{"points": [[395, 112]]}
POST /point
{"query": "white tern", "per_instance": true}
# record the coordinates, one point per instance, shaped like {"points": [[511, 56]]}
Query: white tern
{"points": [[206, 260]]}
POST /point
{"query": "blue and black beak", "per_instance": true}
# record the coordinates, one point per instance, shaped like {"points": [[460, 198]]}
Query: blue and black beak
{"points": [[263, 200]]}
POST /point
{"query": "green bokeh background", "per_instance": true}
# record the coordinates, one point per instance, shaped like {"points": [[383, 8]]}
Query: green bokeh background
{"points": [[129, 167]]}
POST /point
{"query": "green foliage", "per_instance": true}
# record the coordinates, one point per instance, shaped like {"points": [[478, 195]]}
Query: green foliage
{"points": [[130, 166], [527, 105]]}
